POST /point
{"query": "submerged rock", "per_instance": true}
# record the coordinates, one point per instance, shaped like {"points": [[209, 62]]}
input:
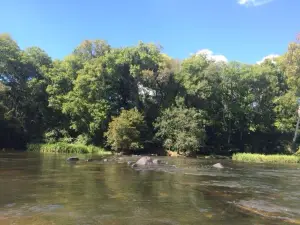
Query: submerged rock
{"points": [[130, 163], [268, 210], [157, 161], [218, 166], [216, 157], [72, 159]]}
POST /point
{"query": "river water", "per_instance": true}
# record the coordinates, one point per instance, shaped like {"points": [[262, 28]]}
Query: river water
{"points": [[45, 189]]}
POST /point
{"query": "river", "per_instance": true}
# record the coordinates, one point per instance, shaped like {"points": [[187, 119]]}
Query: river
{"points": [[44, 189]]}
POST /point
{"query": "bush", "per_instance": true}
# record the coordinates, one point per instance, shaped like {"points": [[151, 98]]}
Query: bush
{"points": [[56, 135], [260, 158], [61, 147], [124, 131], [181, 128], [83, 139]]}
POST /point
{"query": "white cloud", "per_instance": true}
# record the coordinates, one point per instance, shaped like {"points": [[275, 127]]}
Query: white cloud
{"points": [[211, 56], [254, 2], [268, 57]]}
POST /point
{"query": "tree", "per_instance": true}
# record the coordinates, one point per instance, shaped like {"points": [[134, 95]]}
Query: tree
{"points": [[197, 74], [124, 131], [23, 73], [87, 103], [10, 58], [247, 94], [88, 49], [180, 128], [12, 134], [286, 102], [226, 104]]}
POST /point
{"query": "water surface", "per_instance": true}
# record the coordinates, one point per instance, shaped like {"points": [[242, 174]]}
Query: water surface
{"points": [[45, 189]]}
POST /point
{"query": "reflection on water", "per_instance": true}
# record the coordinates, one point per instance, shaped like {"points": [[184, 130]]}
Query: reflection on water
{"points": [[45, 189]]}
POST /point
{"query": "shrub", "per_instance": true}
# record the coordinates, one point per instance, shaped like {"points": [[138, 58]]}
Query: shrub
{"points": [[124, 131], [83, 139], [61, 147], [260, 158], [56, 135], [180, 128]]}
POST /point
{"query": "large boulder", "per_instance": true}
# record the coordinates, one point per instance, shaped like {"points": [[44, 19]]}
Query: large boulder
{"points": [[144, 161]]}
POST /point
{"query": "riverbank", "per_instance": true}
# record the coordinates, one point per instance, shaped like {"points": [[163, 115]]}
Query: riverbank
{"points": [[61, 147], [261, 158]]}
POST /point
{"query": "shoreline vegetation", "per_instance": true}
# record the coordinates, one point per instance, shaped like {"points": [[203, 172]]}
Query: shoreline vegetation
{"points": [[67, 148], [261, 158]]}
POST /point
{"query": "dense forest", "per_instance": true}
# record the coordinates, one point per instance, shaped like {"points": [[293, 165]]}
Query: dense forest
{"points": [[137, 97]]}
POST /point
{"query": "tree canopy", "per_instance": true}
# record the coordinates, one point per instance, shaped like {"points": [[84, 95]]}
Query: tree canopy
{"points": [[103, 95]]}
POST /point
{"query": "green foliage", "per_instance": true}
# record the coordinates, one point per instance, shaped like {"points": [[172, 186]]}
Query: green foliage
{"points": [[124, 131], [56, 135], [83, 139], [85, 104], [181, 128], [259, 158], [88, 49], [199, 76], [227, 105], [286, 103], [61, 147], [286, 111], [25, 100], [290, 63]]}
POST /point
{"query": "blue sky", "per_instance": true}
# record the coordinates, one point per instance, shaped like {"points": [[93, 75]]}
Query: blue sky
{"points": [[241, 30]]}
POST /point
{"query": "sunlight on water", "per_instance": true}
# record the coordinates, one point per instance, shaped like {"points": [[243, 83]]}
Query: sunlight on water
{"points": [[45, 189]]}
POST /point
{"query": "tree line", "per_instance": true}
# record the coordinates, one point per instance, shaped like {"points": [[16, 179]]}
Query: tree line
{"points": [[137, 97]]}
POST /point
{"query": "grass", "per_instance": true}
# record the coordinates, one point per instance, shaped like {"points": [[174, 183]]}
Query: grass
{"points": [[260, 158], [61, 147]]}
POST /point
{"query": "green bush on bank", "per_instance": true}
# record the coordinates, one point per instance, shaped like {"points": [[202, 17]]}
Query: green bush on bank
{"points": [[124, 131], [260, 158], [298, 152], [61, 147]]}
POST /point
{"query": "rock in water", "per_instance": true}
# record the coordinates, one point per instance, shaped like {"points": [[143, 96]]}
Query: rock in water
{"points": [[129, 163], [157, 161], [144, 161], [218, 165], [73, 159]]}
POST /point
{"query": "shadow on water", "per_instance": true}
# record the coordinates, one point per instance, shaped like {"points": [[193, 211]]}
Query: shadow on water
{"points": [[46, 189]]}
